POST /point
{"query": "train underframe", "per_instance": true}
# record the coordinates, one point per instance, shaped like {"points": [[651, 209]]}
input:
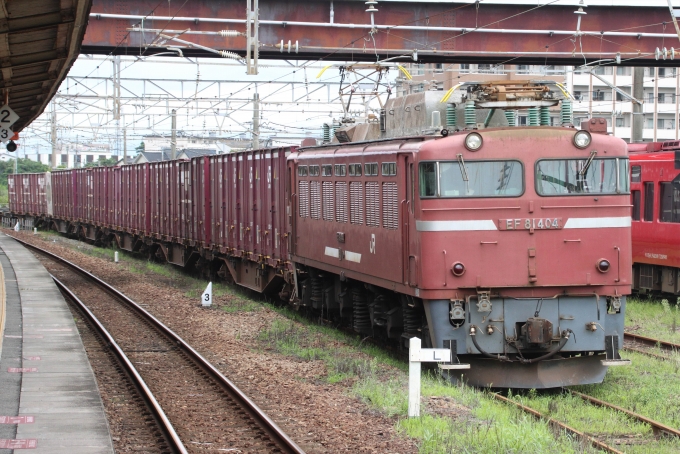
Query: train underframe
{"points": [[649, 279], [507, 342]]}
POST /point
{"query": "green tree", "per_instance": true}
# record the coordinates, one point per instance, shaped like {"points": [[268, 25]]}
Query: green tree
{"points": [[23, 166], [140, 148], [102, 163]]}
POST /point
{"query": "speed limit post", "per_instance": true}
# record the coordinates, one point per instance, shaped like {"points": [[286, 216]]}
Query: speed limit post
{"points": [[206, 297]]}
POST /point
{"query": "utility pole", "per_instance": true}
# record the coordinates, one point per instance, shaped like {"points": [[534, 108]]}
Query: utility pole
{"points": [[53, 137], [252, 36], [173, 139], [656, 101], [256, 121], [116, 99], [124, 145], [638, 109]]}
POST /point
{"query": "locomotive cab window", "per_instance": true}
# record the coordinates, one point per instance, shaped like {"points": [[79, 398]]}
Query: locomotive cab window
{"points": [[471, 179], [355, 170], [326, 170], [302, 171], [340, 170], [313, 171], [582, 176]]}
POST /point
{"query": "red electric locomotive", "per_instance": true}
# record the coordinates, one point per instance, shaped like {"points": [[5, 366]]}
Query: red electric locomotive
{"points": [[508, 245], [655, 200]]}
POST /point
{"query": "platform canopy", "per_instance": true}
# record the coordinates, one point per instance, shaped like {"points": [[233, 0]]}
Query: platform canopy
{"points": [[39, 41]]}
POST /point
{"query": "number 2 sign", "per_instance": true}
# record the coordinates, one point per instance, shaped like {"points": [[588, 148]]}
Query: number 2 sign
{"points": [[7, 117]]}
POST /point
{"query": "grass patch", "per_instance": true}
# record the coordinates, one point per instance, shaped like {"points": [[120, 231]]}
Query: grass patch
{"points": [[649, 387], [479, 424], [226, 298], [583, 416], [657, 318]]}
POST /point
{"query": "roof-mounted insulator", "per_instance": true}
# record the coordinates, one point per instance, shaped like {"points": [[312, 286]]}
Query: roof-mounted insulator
{"points": [[282, 46], [232, 55], [371, 6], [229, 33]]}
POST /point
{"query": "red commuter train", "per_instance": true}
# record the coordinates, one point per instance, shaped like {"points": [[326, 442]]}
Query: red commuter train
{"points": [[655, 200], [508, 245]]}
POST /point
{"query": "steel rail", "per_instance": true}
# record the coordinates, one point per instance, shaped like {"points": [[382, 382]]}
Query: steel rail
{"points": [[555, 423], [652, 342], [647, 353], [165, 425], [657, 427], [260, 417]]}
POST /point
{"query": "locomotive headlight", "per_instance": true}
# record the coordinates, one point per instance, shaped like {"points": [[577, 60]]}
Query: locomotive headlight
{"points": [[458, 269], [473, 141], [582, 139], [603, 265]]}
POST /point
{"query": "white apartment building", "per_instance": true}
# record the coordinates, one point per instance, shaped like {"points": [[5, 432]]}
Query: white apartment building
{"points": [[594, 98]]}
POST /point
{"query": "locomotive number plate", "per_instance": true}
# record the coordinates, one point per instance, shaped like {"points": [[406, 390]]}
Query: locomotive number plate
{"points": [[530, 223]]}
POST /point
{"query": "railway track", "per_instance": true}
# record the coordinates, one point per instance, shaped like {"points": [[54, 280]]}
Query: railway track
{"points": [[147, 441], [594, 442], [208, 411], [650, 342], [658, 429]]}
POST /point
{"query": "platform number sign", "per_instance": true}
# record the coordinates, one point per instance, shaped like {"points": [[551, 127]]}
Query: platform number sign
{"points": [[206, 297], [7, 118], [5, 134]]}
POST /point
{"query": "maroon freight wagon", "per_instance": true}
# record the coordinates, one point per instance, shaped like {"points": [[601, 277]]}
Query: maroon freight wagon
{"points": [[28, 193]]}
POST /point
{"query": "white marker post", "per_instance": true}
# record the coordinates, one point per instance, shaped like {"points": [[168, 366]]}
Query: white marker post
{"points": [[115, 257], [416, 356], [16, 227], [206, 297]]}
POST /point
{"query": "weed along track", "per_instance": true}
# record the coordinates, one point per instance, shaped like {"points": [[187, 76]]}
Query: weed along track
{"points": [[646, 345], [560, 426], [209, 413], [657, 427]]}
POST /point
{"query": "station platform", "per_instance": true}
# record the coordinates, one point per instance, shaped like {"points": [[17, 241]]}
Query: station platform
{"points": [[49, 399]]}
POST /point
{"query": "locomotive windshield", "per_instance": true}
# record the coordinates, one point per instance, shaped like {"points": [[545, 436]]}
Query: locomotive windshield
{"points": [[582, 176], [471, 179]]}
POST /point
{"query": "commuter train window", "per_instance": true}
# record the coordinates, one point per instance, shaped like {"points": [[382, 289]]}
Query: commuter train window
{"points": [[471, 179], [582, 176], [302, 171], [389, 169], [649, 201], [327, 170], [313, 171], [355, 170], [635, 196], [635, 174], [371, 169], [669, 202], [340, 170]]}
